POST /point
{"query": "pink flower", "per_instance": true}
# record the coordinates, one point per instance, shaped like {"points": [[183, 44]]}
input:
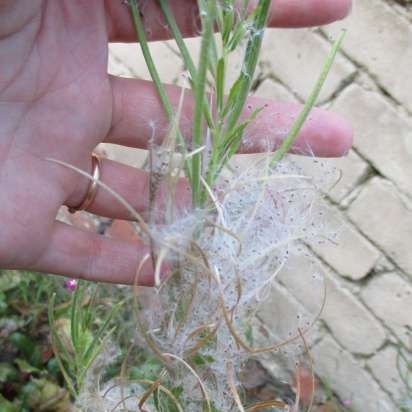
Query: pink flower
{"points": [[70, 284]]}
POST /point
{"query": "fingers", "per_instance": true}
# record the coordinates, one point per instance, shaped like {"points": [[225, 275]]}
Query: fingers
{"points": [[298, 13], [86, 255], [284, 13], [133, 185], [138, 117]]}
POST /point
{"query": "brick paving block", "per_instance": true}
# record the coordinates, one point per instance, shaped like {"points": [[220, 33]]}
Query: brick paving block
{"points": [[168, 64], [384, 368], [348, 320], [349, 379], [126, 155], [390, 298], [271, 89], [384, 265], [302, 277], [383, 135], [117, 68], [386, 218], [296, 57], [348, 252], [352, 168], [283, 315], [379, 39]]}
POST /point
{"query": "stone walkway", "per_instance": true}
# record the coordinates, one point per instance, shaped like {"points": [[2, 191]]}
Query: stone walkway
{"points": [[369, 301]]}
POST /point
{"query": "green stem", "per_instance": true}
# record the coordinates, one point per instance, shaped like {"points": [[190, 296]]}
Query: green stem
{"points": [[187, 59], [250, 62], [200, 87], [171, 22], [310, 102], [141, 38]]}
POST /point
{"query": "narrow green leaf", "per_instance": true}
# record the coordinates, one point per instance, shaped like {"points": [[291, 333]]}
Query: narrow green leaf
{"points": [[310, 102], [220, 83], [55, 339], [100, 332], [76, 321], [233, 94], [260, 16], [184, 51], [208, 21], [141, 38], [228, 20]]}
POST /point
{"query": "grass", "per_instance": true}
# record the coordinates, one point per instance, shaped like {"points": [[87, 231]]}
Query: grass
{"points": [[29, 373], [51, 338], [404, 368], [30, 377]]}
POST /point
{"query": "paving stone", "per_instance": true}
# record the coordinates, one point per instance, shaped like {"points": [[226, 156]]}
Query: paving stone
{"points": [[272, 89], [126, 155], [390, 298], [296, 57], [352, 169], [386, 218], [117, 68], [379, 39], [384, 265], [383, 135], [346, 250], [283, 315], [348, 320], [168, 64], [349, 379], [384, 368]]}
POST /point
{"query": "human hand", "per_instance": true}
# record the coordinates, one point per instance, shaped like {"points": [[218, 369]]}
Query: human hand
{"points": [[57, 101]]}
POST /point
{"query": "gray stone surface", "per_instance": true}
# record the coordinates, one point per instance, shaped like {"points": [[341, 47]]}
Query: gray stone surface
{"points": [[349, 321], [379, 39], [390, 298], [289, 53], [386, 218], [350, 380], [388, 377], [130, 56], [348, 252], [272, 89], [283, 315], [383, 135], [352, 169]]}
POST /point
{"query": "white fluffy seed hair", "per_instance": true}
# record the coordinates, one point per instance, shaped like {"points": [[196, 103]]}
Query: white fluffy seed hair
{"points": [[228, 258], [262, 216]]}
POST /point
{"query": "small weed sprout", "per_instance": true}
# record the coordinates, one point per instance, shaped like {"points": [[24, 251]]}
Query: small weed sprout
{"points": [[227, 247], [404, 368]]}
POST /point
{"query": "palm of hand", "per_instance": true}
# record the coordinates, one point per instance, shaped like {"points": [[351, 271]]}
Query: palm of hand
{"points": [[60, 106]]}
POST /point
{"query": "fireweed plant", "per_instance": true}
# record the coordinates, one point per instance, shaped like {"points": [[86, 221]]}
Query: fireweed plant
{"points": [[225, 250]]}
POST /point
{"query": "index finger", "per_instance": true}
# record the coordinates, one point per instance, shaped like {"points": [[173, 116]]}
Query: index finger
{"points": [[284, 13]]}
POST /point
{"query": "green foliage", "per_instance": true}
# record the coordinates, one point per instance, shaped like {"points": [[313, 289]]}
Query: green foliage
{"points": [[150, 369], [29, 380], [332, 402], [78, 341], [404, 368], [225, 125]]}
